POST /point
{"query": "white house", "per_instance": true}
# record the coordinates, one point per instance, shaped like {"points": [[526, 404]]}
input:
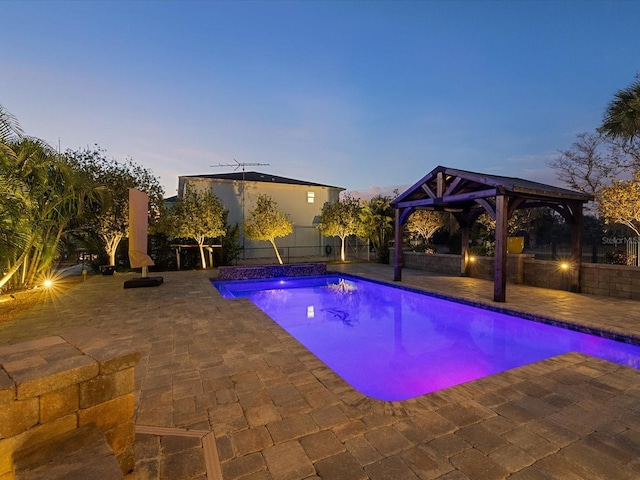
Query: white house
{"points": [[301, 200]]}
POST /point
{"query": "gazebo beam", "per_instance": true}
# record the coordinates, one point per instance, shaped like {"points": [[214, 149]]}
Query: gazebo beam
{"points": [[451, 199]]}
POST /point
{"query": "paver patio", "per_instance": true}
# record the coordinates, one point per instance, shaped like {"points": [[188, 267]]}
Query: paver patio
{"points": [[276, 411]]}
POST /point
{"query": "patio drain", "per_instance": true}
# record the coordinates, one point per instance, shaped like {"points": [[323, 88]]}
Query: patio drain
{"points": [[211, 459]]}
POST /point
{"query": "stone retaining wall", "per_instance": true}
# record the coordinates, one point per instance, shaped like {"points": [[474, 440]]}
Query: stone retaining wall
{"points": [[618, 281], [51, 386]]}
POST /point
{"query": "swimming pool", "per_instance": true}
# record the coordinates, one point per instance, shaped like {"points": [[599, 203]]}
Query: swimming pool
{"points": [[393, 344]]}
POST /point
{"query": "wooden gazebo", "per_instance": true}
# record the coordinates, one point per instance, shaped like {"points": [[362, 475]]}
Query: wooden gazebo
{"points": [[468, 194]]}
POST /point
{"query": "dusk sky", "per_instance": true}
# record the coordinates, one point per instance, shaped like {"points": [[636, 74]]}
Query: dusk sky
{"points": [[368, 96]]}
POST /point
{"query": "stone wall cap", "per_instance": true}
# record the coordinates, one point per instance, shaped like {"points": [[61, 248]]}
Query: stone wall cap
{"points": [[38, 344], [113, 357], [46, 378]]}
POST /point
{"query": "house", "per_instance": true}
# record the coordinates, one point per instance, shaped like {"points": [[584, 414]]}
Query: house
{"points": [[301, 200]]}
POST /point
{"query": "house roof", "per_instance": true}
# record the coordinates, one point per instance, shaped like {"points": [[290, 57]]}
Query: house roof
{"points": [[260, 177], [460, 187]]}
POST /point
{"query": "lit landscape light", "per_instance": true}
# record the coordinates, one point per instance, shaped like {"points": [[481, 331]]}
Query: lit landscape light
{"points": [[564, 265], [48, 283], [472, 259]]}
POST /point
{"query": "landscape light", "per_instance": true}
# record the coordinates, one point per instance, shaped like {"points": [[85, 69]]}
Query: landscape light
{"points": [[48, 283], [564, 266], [472, 259]]}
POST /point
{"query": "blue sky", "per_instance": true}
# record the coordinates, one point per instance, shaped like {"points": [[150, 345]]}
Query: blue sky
{"points": [[369, 96]]}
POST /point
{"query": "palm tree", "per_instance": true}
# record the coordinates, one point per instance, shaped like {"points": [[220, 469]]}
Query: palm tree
{"points": [[377, 224], [41, 194], [622, 117], [14, 226]]}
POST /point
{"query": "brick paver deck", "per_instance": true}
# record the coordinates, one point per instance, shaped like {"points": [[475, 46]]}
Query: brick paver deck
{"points": [[209, 364]]}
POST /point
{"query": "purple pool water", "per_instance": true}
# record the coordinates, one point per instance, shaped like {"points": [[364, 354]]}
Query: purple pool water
{"points": [[393, 344]]}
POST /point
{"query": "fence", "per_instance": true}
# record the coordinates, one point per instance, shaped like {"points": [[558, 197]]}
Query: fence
{"points": [[355, 250], [607, 250]]}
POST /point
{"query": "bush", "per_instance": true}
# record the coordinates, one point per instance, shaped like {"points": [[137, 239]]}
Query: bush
{"points": [[488, 249], [617, 257], [424, 248]]}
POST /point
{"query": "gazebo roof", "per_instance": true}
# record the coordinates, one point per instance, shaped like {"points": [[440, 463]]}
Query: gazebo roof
{"points": [[461, 188]]}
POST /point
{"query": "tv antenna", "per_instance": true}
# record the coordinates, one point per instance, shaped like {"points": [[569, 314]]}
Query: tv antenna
{"points": [[236, 166]]}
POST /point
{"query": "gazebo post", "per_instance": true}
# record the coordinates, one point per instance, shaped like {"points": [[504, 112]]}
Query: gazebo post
{"points": [[397, 257], [500, 258], [576, 248], [464, 267]]}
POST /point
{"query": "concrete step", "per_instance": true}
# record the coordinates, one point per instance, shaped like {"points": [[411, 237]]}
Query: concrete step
{"points": [[80, 454]]}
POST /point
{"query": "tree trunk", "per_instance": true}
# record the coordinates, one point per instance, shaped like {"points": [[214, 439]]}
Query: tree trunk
{"points": [[16, 265], [33, 267], [111, 246], [202, 259], [342, 255], [276, 250]]}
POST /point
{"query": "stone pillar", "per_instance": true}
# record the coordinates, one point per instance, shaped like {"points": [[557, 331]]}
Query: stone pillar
{"points": [[50, 386]]}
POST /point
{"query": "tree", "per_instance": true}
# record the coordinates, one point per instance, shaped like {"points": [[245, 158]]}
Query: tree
{"points": [[14, 200], [377, 224], [620, 203], [41, 196], [231, 248], [426, 223], [111, 217], [198, 215], [588, 164], [266, 222], [622, 116], [340, 219], [528, 220]]}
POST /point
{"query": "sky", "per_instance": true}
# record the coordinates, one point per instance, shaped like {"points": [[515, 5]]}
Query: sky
{"points": [[369, 96]]}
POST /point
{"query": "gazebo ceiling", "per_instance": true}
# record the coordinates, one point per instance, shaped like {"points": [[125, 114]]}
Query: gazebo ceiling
{"points": [[456, 190]]}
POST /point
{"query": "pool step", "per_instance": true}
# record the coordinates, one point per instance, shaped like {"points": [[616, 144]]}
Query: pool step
{"points": [[80, 454]]}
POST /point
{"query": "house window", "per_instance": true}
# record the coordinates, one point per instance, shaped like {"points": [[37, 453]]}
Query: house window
{"points": [[311, 197]]}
